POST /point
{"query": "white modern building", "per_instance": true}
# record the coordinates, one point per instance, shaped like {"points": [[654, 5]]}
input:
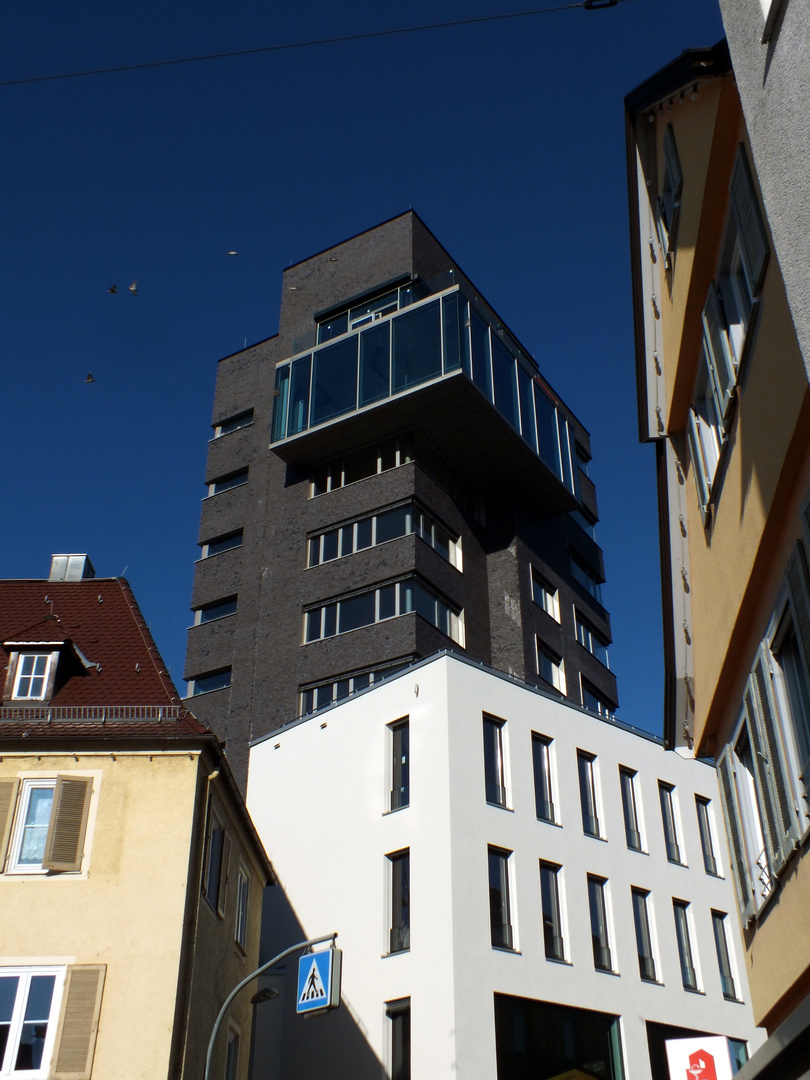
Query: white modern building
{"points": [[520, 888]]}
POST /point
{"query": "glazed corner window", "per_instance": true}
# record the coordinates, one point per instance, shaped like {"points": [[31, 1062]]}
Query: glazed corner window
{"points": [[494, 770], [666, 795], [587, 793], [217, 860], [228, 481], [632, 832], [213, 680], [226, 542], [234, 423], [550, 667], [669, 201], [400, 764], [32, 678], [43, 824], [399, 938], [545, 595], [543, 789], [500, 918]]}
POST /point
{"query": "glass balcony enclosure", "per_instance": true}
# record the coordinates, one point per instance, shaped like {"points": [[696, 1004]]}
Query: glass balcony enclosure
{"points": [[386, 354]]}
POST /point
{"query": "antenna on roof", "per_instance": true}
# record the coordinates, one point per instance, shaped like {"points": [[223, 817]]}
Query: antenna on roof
{"points": [[124, 570]]}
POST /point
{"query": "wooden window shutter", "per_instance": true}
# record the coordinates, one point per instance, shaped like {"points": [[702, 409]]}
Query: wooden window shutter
{"points": [[8, 801], [64, 844], [718, 354], [735, 835], [78, 1022], [753, 239], [224, 874]]}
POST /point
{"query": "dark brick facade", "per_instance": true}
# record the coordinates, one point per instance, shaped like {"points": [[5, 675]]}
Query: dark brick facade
{"points": [[523, 523]]}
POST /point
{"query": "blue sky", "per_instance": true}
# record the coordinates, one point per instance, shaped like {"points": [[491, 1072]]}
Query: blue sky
{"points": [[506, 137]]}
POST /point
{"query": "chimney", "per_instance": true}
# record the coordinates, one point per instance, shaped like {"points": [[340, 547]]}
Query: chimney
{"points": [[71, 568]]}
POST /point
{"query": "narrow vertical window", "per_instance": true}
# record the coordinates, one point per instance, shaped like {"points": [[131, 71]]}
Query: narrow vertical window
{"points": [[688, 973], [599, 925], [242, 888], [723, 958], [500, 918], [400, 933], [587, 793], [550, 899], [627, 780], [494, 775], [665, 794], [543, 795], [641, 920], [705, 830], [399, 1013], [232, 1055], [400, 765]]}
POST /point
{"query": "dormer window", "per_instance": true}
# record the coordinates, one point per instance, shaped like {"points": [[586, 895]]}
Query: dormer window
{"points": [[31, 681]]}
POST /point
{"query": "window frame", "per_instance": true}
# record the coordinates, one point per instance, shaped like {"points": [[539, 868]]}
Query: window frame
{"points": [[195, 688], [599, 919], [645, 940], [241, 911], [550, 666], [545, 595], [501, 927], [208, 613], [399, 887], [495, 778], [707, 834], [682, 914], [552, 911], [669, 200], [17, 663], [591, 640], [233, 423], [399, 758], [25, 976], [228, 481], [630, 810], [669, 822], [399, 1013], [724, 958], [66, 830], [237, 535], [544, 779], [216, 866], [588, 794]]}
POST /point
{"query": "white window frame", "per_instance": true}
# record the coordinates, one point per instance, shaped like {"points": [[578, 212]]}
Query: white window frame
{"points": [[590, 803], [25, 975], [547, 777], [671, 822], [27, 788], [690, 941], [64, 842], [631, 808], [556, 666], [646, 946], [545, 595], [17, 662]]}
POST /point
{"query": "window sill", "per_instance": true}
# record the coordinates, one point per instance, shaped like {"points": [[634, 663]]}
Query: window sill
{"points": [[506, 949], [607, 971], [500, 806], [594, 836], [547, 821], [399, 952], [395, 809], [695, 990], [677, 862], [559, 960], [638, 850]]}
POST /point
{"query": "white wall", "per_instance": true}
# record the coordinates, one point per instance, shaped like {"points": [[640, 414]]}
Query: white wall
{"points": [[318, 792]]}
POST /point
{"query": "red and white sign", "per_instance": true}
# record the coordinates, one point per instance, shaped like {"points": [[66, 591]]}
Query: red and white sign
{"points": [[699, 1059]]}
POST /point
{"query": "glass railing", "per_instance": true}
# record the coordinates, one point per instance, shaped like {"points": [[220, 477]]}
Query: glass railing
{"points": [[440, 336]]}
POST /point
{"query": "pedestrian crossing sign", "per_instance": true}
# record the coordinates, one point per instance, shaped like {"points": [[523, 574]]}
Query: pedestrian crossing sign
{"points": [[319, 981]]}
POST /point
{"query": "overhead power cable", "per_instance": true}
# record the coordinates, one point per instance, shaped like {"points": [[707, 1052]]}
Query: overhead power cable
{"points": [[586, 4]]}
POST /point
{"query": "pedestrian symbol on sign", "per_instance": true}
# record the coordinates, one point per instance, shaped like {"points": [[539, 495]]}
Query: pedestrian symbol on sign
{"points": [[319, 981], [313, 986]]}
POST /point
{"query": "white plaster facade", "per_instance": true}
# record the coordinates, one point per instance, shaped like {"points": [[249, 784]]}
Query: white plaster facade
{"points": [[319, 794]]}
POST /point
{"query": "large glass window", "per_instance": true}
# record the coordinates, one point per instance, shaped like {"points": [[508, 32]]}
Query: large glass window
{"points": [[400, 871], [326, 693], [587, 793], [500, 918], [334, 380], [644, 944], [597, 905], [214, 680], [389, 524], [29, 1001], [543, 790], [416, 352], [585, 576], [632, 831], [591, 640], [494, 770], [230, 480], [222, 543], [552, 921], [31, 829]]}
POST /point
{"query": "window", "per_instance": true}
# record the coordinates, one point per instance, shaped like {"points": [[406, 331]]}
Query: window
{"points": [[594, 702], [632, 832], [232, 1055], [599, 924], [593, 642], [217, 860], [399, 1013], [377, 529], [217, 610], [550, 667], [666, 795], [500, 918], [361, 464], [226, 542], [494, 773], [385, 602], [723, 958], [44, 823], [589, 579], [670, 198], [326, 693], [400, 764], [32, 677], [641, 920], [727, 315], [400, 932], [543, 791], [703, 808], [242, 891], [688, 973], [550, 900], [587, 793], [212, 680], [545, 595], [230, 480], [234, 423]]}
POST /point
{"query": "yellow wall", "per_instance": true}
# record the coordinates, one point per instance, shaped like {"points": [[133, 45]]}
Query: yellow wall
{"points": [[127, 909]]}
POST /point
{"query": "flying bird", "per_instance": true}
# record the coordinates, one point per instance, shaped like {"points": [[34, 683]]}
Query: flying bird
{"points": [[133, 288], [113, 289], [233, 252], [89, 377]]}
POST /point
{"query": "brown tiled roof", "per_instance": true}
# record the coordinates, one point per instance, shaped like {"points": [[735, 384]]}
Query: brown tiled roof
{"points": [[111, 676]]}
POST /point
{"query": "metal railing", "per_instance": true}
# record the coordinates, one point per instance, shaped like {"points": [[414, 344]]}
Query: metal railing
{"points": [[92, 714]]}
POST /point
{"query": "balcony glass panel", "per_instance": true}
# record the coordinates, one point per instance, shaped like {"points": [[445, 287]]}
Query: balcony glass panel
{"points": [[548, 442], [528, 422], [505, 382], [281, 401], [416, 346], [299, 396], [481, 368], [375, 364], [334, 380], [454, 337]]}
